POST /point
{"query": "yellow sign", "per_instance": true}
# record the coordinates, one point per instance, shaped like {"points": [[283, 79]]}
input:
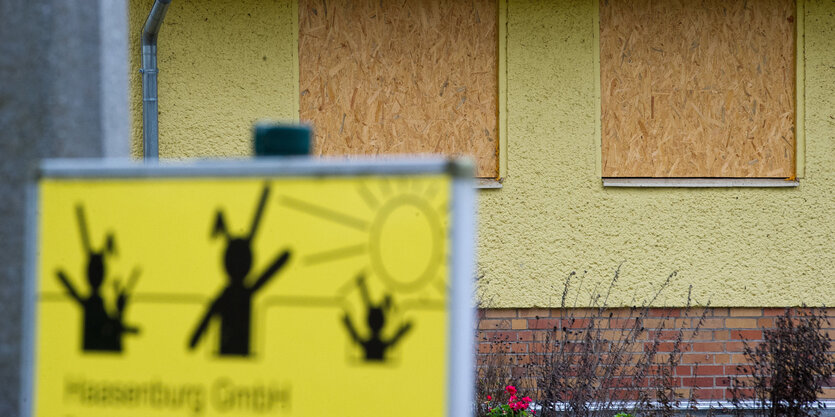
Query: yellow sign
{"points": [[214, 296]]}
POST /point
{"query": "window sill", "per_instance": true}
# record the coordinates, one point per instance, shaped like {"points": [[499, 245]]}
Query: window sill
{"points": [[488, 183], [699, 182]]}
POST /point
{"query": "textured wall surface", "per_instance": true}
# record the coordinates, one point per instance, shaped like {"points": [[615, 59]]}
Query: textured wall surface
{"points": [[737, 247], [223, 65]]}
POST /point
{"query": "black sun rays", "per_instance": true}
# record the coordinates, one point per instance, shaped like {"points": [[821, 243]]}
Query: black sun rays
{"points": [[397, 227]]}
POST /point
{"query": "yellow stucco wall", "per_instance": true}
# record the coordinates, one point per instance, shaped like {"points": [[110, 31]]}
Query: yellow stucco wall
{"points": [[223, 64], [736, 247]]}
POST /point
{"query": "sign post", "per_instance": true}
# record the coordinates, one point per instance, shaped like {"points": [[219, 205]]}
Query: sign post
{"points": [[266, 287]]}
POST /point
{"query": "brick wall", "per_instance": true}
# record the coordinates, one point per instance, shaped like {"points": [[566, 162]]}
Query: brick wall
{"points": [[708, 357]]}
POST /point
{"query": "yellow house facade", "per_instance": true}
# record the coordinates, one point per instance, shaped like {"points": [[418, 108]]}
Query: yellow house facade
{"points": [[745, 250]]}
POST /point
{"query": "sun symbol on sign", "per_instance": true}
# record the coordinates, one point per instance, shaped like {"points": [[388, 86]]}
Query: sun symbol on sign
{"points": [[404, 243]]}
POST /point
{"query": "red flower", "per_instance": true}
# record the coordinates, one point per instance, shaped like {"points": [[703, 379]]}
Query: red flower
{"points": [[510, 389], [527, 399], [512, 399], [489, 397]]}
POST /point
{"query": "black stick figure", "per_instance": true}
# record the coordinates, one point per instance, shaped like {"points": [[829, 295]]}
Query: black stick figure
{"points": [[374, 346], [102, 331], [234, 304]]}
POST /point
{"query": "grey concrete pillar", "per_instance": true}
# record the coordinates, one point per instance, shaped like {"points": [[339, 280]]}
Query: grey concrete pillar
{"points": [[63, 93]]}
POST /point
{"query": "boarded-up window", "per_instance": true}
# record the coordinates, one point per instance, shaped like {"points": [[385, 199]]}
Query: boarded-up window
{"points": [[414, 76], [697, 88]]}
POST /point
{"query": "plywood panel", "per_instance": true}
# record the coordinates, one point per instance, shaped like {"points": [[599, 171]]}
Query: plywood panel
{"points": [[697, 88], [414, 76]]}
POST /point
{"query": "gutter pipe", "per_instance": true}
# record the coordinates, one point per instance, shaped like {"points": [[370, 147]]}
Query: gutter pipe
{"points": [[150, 106]]}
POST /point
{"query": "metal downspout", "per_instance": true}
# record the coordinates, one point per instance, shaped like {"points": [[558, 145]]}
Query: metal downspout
{"points": [[150, 107]]}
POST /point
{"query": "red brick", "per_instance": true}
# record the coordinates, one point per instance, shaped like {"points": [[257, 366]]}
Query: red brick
{"points": [[746, 334], [683, 392], [622, 323], [746, 312], [721, 335], [501, 336], [723, 381], [734, 346], [738, 380], [774, 311], [713, 323], [624, 312], [684, 323], [668, 335], [696, 358], [740, 323], [684, 370], [518, 324], [524, 336], [737, 370], [612, 335], [738, 358], [524, 359], [499, 313], [651, 324], [698, 311], [534, 312], [656, 379], [744, 393], [543, 336], [708, 347], [669, 346], [709, 394], [547, 324], [765, 322], [722, 358], [539, 347], [576, 323], [494, 324], [712, 370], [664, 312], [581, 312], [697, 382], [702, 335], [519, 348]]}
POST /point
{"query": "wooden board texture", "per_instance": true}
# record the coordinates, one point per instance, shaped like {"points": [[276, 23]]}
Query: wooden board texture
{"points": [[697, 88], [405, 77]]}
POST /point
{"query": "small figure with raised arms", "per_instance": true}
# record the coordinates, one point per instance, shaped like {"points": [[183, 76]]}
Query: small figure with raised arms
{"points": [[234, 304], [102, 329], [374, 345]]}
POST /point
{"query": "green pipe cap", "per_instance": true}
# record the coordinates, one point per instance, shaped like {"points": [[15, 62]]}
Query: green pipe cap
{"points": [[276, 139]]}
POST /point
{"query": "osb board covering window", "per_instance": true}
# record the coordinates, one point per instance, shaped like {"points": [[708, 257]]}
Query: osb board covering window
{"points": [[697, 88], [401, 77]]}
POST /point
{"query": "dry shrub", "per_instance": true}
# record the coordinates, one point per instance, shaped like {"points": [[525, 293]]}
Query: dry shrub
{"points": [[599, 361], [788, 369]]}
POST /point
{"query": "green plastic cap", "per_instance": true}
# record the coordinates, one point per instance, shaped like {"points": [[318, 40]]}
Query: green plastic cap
{"points": [[276, 139]]}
